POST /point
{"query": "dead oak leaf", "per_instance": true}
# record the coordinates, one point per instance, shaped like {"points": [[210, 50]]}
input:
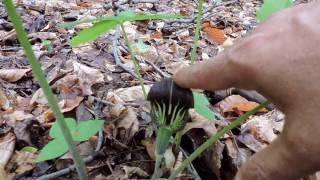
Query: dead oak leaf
{"points": [[87, 77], [13, 75], [66, 105], [150, 146], [237, 104], [7, 144], [12, 117], [22, 161], [214, 34], [4, 101]]}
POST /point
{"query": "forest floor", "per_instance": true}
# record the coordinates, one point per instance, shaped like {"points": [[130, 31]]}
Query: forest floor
{"points": [[92, 82]]}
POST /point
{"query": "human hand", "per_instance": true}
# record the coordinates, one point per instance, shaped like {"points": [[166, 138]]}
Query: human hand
{"points": [[281, 60]]}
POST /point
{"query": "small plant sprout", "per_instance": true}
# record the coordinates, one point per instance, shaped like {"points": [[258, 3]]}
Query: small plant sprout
{"points": [[169, 110]]}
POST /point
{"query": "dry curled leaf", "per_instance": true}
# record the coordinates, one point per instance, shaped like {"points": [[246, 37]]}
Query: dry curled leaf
{"points": [[4, 101], [87, 77], [13, 75], [156, 35], [214, 34], [7, 144], [237, 104], [18, 115], [39, 97], [133, 93], [150, 146], [259, 131]]}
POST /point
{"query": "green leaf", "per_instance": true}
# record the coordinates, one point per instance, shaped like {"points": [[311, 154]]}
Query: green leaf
{"points": [[104, 24], [201, 106], [93, 32], [122, 17], [87, 129], [29, 149], [271, 6], [53, 149], [55, 131]]}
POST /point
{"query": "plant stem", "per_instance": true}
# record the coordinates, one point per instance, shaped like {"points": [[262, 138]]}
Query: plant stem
{"points": [[38, 73], [177, 138], [163, 140], [197, 32], [214, 138], [135, 62]]}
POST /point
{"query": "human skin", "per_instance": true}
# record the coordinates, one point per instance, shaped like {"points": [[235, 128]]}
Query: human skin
{"points": [[281, 60]]}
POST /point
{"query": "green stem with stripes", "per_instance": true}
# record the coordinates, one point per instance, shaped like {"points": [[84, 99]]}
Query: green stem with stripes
{"points": [[38, 73]]}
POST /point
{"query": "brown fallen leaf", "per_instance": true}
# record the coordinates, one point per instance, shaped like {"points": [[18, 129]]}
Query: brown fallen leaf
{"points": [[126, 121], [87, 77], [3, 173], [156, 35], [66, 105], [39, 97], [7, 144], [150, 146], [13, 75], [237, 104], [133, 93], [259, 131], [18, 115], [4, 101], [199, 122], [214, 34], [129, 171], [21, 161]]}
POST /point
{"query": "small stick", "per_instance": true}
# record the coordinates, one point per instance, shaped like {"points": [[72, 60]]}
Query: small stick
{"points": [[116, 55]]}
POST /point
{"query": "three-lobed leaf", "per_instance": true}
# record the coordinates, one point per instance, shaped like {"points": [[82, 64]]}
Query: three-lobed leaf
{"points": [[201, 106], [81, 132], [271, 6]]}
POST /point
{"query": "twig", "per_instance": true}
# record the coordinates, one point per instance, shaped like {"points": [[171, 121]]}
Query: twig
{"points": [[190, 167], [155, 67], [116, 55]]}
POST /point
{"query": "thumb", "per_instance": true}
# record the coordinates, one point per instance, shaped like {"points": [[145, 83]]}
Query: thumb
{"points": [[277, 162]]}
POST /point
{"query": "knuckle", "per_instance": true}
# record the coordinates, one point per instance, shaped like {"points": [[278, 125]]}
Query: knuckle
{"points": [[243, 58]]}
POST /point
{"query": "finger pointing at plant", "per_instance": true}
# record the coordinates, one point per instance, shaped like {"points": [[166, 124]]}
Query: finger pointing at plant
{"points": [[281, 60]]}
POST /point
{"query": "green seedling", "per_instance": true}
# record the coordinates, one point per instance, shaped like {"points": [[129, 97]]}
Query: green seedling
{"points": [[104, 24], [169, 111], [80, 132], [271, 6], [38, 73]]}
